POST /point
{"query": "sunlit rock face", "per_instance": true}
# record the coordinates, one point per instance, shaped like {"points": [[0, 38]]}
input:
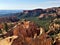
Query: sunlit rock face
{"points": [[8, 40], [26, 28], [57, 39], [28, 33]]}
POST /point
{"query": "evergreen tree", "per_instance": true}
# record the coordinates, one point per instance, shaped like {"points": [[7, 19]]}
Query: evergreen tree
{"points": [[0, 31], [6, 27]]}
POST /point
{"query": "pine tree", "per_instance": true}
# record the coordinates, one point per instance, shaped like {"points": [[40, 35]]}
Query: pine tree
{"points": [[6, 27]]}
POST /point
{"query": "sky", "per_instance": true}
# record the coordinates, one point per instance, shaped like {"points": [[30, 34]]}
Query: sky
{"points": [[27, 4]]}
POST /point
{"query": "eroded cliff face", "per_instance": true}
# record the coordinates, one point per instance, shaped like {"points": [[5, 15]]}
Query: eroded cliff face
{"points": [[53, 12], [28, 33]]}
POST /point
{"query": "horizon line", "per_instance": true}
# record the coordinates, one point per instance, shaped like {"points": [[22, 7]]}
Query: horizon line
{"points": [[32, 8]]}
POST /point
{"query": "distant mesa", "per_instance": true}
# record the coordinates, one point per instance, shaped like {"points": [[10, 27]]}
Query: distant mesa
{"points": [[40, 13]]}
